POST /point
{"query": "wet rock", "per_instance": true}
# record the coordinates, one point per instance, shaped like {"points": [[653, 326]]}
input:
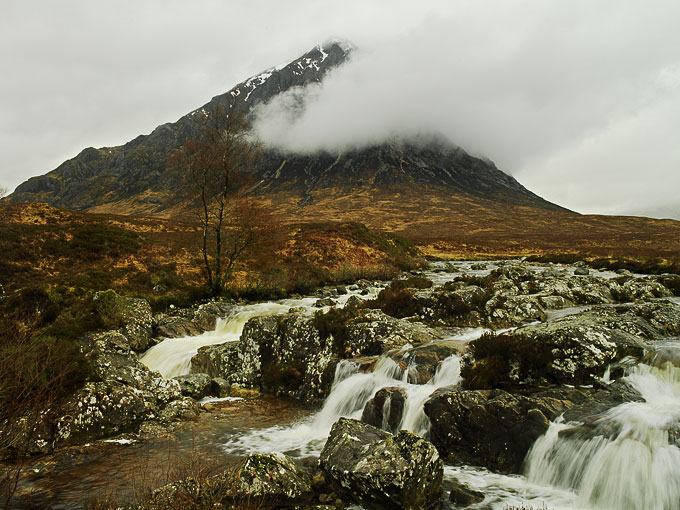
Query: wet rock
{"points": [[495, 429], [191, 321], [385, 409], [379, 470], [423, 361], [281, 354], [341, 289], [272, 478], [195, 386], [182, 409], [581, 271], [463, 496], [489, 428], [320, 303]]}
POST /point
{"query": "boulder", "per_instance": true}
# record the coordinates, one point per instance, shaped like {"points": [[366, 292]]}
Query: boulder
{"points": [[581, 271], [579, 347], [195, 386], [385, 409], [513, 310], [463, 496], [489, 428], [126, 394], [379, 470], [191, 321], [282, 354], [495, 429], [272, 478], [374, 332], [133, 316]]}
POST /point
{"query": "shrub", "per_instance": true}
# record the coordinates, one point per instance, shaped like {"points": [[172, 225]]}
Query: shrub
{"points": [[333, 323], [504, 360], [398, 303], [412, 282]]}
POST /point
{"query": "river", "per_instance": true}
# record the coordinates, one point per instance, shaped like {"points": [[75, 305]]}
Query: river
{"points": [[638, 467]]}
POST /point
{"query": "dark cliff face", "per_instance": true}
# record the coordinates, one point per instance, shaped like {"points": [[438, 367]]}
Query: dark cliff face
{"points": [[135, 173]]}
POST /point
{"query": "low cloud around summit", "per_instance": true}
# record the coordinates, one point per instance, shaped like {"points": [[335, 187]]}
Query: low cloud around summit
{"points": [[579, 100], [543, 89]]}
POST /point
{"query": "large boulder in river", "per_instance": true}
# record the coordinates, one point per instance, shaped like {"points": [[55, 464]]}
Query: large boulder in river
{"points": [[385, 410], [272, 478], [282, 354], [374, 332], [382, 471], [495, 429], [126, 394], [570, 350]]}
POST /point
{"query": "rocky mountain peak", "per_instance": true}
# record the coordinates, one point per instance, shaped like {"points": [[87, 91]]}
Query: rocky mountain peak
{"points": [[133, 178]]}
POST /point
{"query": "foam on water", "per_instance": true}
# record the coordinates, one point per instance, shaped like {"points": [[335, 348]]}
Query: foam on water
{"points": [[349, 394], [172, 357], [633, 463]]}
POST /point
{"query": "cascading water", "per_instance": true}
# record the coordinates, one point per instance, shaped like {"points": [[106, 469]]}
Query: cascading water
{"points": [[172, 357], [634, 464], [350, 392]]}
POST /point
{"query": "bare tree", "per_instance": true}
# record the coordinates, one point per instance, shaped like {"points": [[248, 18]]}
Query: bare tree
{"points": [[4, 191], [216, 167]]}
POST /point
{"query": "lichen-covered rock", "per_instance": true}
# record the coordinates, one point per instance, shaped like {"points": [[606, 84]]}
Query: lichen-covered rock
{"points": [[283, 354], [132, 315], [382, 471], [191, 321], [579, 347], [513, 310], [103, 409], [182, 409], [195, 386], [271, 477], [385, 409], [374, 332]]}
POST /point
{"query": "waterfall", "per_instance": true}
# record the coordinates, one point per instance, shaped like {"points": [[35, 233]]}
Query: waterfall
{"points": [[635, 461], [350, 392], [172, 357]]}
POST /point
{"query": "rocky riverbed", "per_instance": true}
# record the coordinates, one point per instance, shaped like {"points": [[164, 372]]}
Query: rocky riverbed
{"points": [[489, 370]]}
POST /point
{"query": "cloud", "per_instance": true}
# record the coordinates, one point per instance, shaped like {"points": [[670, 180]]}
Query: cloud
{"points": [[551, 92]]}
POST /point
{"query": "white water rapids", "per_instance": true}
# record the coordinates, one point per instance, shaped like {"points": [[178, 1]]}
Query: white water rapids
{"points": [[172, 357], [632, 461], [350, 392]]}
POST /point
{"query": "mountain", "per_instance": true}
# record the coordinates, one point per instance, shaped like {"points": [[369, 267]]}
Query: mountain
{"points": [[133, 179]]}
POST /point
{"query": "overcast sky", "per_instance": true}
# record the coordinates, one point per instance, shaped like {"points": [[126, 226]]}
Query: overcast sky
{"points": [[579, 100]]}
